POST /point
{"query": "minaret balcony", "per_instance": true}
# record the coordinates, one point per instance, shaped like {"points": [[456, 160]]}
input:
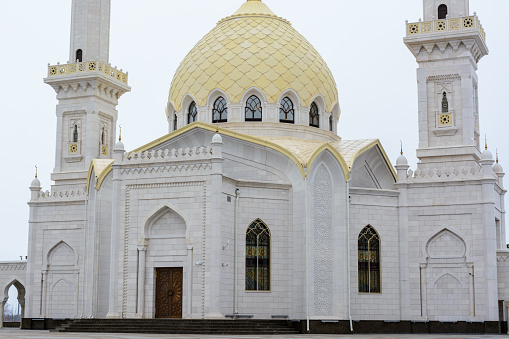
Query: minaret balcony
{"points": [[468, 23], [87, 68]]}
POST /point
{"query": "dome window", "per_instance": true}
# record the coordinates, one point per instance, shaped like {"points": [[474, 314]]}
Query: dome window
{"points": [[220, 111], [330, 124], [175, 122], [442, 12], [193, 113], [314, 117], [286, 111], [253, 109]]}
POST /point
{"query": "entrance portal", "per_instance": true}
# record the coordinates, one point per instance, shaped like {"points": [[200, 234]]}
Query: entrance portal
{"points": [[169, 292]]}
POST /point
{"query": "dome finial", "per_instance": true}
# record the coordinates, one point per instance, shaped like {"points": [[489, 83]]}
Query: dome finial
{"points": [[497, 156], [401, 141], [36, 170], [217, 126], [120, 133], [485, 142]]}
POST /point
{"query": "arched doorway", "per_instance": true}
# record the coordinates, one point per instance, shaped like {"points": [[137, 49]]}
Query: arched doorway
{"points": [[15, 309]]}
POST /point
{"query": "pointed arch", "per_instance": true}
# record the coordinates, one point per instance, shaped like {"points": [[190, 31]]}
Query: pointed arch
{"points": [[446, 244], [258, 256], [443, 275], [20, 286], [61, 254], [368, 260], [157, 214]]}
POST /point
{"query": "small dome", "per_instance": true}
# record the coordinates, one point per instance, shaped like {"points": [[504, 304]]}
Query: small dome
{"points": [[486, 155], [402, 161], [253, 48], [35, 183], [217, 139], [119, 145], [497, 168]]}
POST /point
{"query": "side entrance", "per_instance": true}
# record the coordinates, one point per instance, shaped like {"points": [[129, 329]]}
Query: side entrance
{"points": [[169, 292]]}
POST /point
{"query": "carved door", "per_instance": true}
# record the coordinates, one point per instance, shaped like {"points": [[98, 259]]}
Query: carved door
{"points": [[169, 292]]}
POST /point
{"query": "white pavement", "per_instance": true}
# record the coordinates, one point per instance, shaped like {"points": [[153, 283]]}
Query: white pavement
{"points": [[26, 334]]}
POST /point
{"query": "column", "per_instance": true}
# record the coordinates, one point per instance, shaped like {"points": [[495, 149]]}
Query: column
{"points": [[2, 305], [471, 289], [142, 252], [189, 284]]}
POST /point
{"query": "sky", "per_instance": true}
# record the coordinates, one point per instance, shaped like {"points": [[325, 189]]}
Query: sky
{"points": [[361, 41]]}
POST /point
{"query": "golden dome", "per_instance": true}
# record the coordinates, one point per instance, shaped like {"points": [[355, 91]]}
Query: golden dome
{"points": [[253, 48]]}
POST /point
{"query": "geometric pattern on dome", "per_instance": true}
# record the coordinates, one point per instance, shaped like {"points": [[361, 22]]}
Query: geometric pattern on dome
{"points": [[245, 51]]}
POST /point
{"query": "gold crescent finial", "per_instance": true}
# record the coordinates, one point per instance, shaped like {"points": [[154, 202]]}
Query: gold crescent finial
{"points": [[497, 156], [485, 142], [217, 126], [401, 141], [120, 133], [36, 171]]}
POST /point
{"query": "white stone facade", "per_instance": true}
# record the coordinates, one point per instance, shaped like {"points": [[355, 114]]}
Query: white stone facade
{"points": [[186, 200]]}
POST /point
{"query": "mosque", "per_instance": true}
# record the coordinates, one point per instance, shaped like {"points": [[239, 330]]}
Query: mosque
{"points": [[253, 205]]}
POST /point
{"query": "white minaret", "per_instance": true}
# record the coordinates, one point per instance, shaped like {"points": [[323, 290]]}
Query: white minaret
{"points": [[448, 45], [88, 89]]}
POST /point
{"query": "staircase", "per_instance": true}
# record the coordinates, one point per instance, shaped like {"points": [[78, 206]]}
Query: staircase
{"points": [[179, 326]]}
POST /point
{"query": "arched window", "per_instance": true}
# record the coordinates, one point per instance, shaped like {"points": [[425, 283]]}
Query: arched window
{"points": [[330, 123], [253, 109], [79, 55], [445, 103], [286, 111], [442, 11], [220, 111], [75, 134], [369, 260], [314, 118], [193, 113], [257, 257], [175, 121]]}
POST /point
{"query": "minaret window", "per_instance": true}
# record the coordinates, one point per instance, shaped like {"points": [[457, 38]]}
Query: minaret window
{"points": [[174, 122], [75, 134], [257, 257], [445, 103], [314, 117], [442, 12], [220, 111], [102, 137], [253, 109], [286, 111], [369, 260], [193, 113], [79, 55]]}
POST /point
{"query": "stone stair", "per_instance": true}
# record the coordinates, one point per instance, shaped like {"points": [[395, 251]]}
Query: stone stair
{"points": [[180, 326]]}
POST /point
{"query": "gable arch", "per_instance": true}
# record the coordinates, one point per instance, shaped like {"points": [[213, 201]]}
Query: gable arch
{"points": [[445, 244], [297, 102], [215, 94], [328, 150], [60, 248], [159, 212]]}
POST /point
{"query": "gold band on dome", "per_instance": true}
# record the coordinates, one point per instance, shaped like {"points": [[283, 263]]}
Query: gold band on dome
{"points": [[253, 48]]}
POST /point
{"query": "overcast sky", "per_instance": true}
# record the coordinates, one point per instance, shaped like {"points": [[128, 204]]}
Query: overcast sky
{"points": [[361, 41]]}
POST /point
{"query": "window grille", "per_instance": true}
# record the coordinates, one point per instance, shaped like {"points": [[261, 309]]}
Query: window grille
{"points": [[220, 111], [253, 109], [286, 111], [369, 260], [193, 113]]}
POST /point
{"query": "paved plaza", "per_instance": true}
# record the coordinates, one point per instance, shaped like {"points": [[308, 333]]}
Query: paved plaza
{"points": [[26, 334]]}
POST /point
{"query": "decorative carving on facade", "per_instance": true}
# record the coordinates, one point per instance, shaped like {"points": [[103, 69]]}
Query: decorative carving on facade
{"points": [[322, 235]]}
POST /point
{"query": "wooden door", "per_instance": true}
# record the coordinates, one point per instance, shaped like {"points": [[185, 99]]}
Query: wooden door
{"points": [[169, 292]]}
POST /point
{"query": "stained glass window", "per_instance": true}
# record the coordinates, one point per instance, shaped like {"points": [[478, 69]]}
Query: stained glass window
{"points": [[257, 257], [193, 113], [220, 111], [286, 111], [253, 109], [314, 118], [369, 260]]}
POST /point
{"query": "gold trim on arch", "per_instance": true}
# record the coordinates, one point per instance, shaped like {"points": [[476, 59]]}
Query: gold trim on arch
{"points": [[102, 175]]}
